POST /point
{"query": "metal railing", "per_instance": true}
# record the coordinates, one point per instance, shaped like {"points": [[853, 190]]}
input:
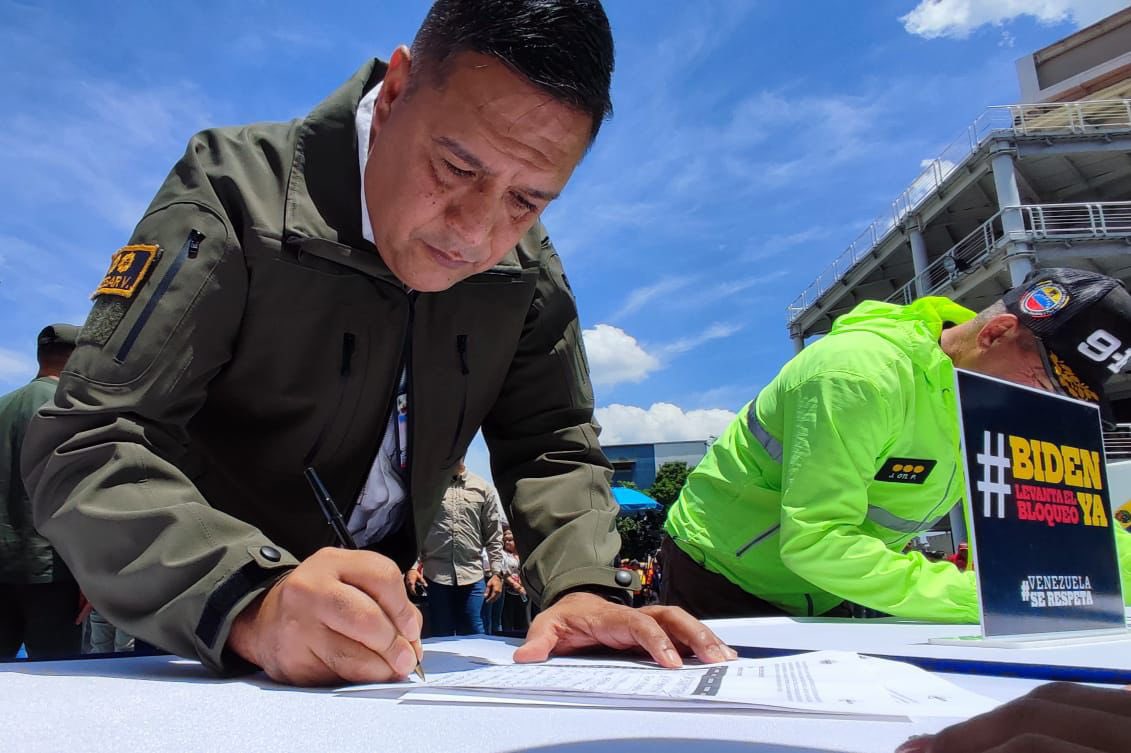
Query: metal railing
{"points": [[1077, 221], [1117, 442], [1087, 221], [1025, 120], [964, 256]]}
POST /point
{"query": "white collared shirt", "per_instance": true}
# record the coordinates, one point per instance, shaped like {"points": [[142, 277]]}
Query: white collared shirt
{"points": [[381, 505]]}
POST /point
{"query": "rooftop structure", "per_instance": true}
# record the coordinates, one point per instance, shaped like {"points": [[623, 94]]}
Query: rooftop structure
{"points": [[1041, 184]]}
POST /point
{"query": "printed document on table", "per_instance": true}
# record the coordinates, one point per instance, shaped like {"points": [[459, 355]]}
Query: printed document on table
{"points": [[830, 682]]}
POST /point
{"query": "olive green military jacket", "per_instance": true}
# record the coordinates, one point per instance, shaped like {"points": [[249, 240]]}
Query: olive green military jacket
{"points": [[248, 331], [25, 556]]}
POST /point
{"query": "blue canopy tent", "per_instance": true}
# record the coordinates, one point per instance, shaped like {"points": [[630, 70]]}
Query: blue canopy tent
{"points": [[632, 501]]}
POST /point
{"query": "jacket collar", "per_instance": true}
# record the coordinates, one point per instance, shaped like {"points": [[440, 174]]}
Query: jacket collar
{"points": [[322, 214]]}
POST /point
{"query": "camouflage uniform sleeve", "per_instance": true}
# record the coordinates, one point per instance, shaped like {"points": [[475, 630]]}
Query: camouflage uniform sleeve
{"points": [[545, 457], [104, 462]]}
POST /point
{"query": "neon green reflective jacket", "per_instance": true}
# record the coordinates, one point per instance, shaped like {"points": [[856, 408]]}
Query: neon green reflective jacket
{"points": [[811, 493]]}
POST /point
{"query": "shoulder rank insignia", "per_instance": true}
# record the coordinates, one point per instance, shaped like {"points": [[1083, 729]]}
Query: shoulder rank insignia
{"points": [[905, 470], [128, 269]]}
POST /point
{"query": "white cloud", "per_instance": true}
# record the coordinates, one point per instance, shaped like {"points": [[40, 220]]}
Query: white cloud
{"points": [[663, 422], [958, 18], [640, 297], [615, 356], [777, 244], [731, 395], [717, 331], [15, 366]]}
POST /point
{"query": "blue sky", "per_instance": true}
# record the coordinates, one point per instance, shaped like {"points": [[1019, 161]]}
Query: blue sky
{"points": [[751, 142]]}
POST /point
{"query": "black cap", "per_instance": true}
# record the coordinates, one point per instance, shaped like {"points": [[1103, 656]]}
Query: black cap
{"points": [[1083, 322], [64, 334]]}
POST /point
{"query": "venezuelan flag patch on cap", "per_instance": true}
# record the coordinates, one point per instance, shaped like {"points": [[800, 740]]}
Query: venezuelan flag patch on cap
{"points": [[128, 268]]}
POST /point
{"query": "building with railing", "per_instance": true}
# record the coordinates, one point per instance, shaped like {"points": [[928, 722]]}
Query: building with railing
{"points": [[1042, 184]]}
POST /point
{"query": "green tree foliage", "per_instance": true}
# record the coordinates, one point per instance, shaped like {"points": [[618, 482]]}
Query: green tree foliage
{"points": [[669, 482], [640, 534]]}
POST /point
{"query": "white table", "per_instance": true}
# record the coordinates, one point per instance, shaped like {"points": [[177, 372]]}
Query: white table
{"points": [[165, 704]]}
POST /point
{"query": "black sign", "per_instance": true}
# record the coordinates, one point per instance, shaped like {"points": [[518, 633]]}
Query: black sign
{"points": [[1043, 536]]}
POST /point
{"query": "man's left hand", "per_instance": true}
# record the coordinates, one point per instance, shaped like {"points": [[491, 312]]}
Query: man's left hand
{"points": [[580, 620], [494, 589]]}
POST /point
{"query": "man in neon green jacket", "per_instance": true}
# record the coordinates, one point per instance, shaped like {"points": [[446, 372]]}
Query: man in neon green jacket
{"points": [[810, 495]]}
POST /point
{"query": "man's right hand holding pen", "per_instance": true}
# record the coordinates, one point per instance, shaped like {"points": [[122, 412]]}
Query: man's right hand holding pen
{"points": [[340, 616]]}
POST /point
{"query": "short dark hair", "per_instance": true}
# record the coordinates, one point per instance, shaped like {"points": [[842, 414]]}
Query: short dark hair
{"points": [[564, 47]]}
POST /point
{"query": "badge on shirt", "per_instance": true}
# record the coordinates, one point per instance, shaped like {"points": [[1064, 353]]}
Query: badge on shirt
{"points": [[128, 269], [905, 470]]}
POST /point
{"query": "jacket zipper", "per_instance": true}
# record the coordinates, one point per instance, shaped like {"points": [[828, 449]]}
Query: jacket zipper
{"points": [[348, 342], [465, 370], [405, 364], [344, 368], [757, 539], [189, 250]]}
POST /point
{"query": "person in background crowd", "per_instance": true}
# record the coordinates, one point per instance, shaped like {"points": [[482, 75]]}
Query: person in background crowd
{"points": [[809, 496], [492, 610], [451, 567], [648, 577], [41, 606], [418, 595], [638, 592], [104, 638], [515, 602], [961, 558], [384, 250], [657, 574]]}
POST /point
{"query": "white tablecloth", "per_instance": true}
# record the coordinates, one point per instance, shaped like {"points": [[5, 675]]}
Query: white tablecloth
{"points": [[170, 705]]}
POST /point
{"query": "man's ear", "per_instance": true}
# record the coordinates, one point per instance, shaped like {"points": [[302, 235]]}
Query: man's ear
{"points": [[394, 85], [997, 328]]}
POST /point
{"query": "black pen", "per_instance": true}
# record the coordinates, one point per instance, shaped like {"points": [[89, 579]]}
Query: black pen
{"points": [[330, 510], [334, 518]]}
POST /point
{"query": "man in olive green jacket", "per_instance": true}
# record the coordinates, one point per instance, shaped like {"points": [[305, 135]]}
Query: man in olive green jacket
{"points": [[39, 600], [358, 291]]}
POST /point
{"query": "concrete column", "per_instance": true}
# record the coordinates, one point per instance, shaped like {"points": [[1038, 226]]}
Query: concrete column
{"points": [[1018, 253], [918, 259], [798, 342]]}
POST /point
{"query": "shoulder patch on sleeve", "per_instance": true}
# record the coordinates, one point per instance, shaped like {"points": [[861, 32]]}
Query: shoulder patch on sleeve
{"points": [[128, 269], [906, 470]]}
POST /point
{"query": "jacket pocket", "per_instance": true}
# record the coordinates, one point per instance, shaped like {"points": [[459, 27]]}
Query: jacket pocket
{"points": [[762, 536], [574, 367], [332, 433]]}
